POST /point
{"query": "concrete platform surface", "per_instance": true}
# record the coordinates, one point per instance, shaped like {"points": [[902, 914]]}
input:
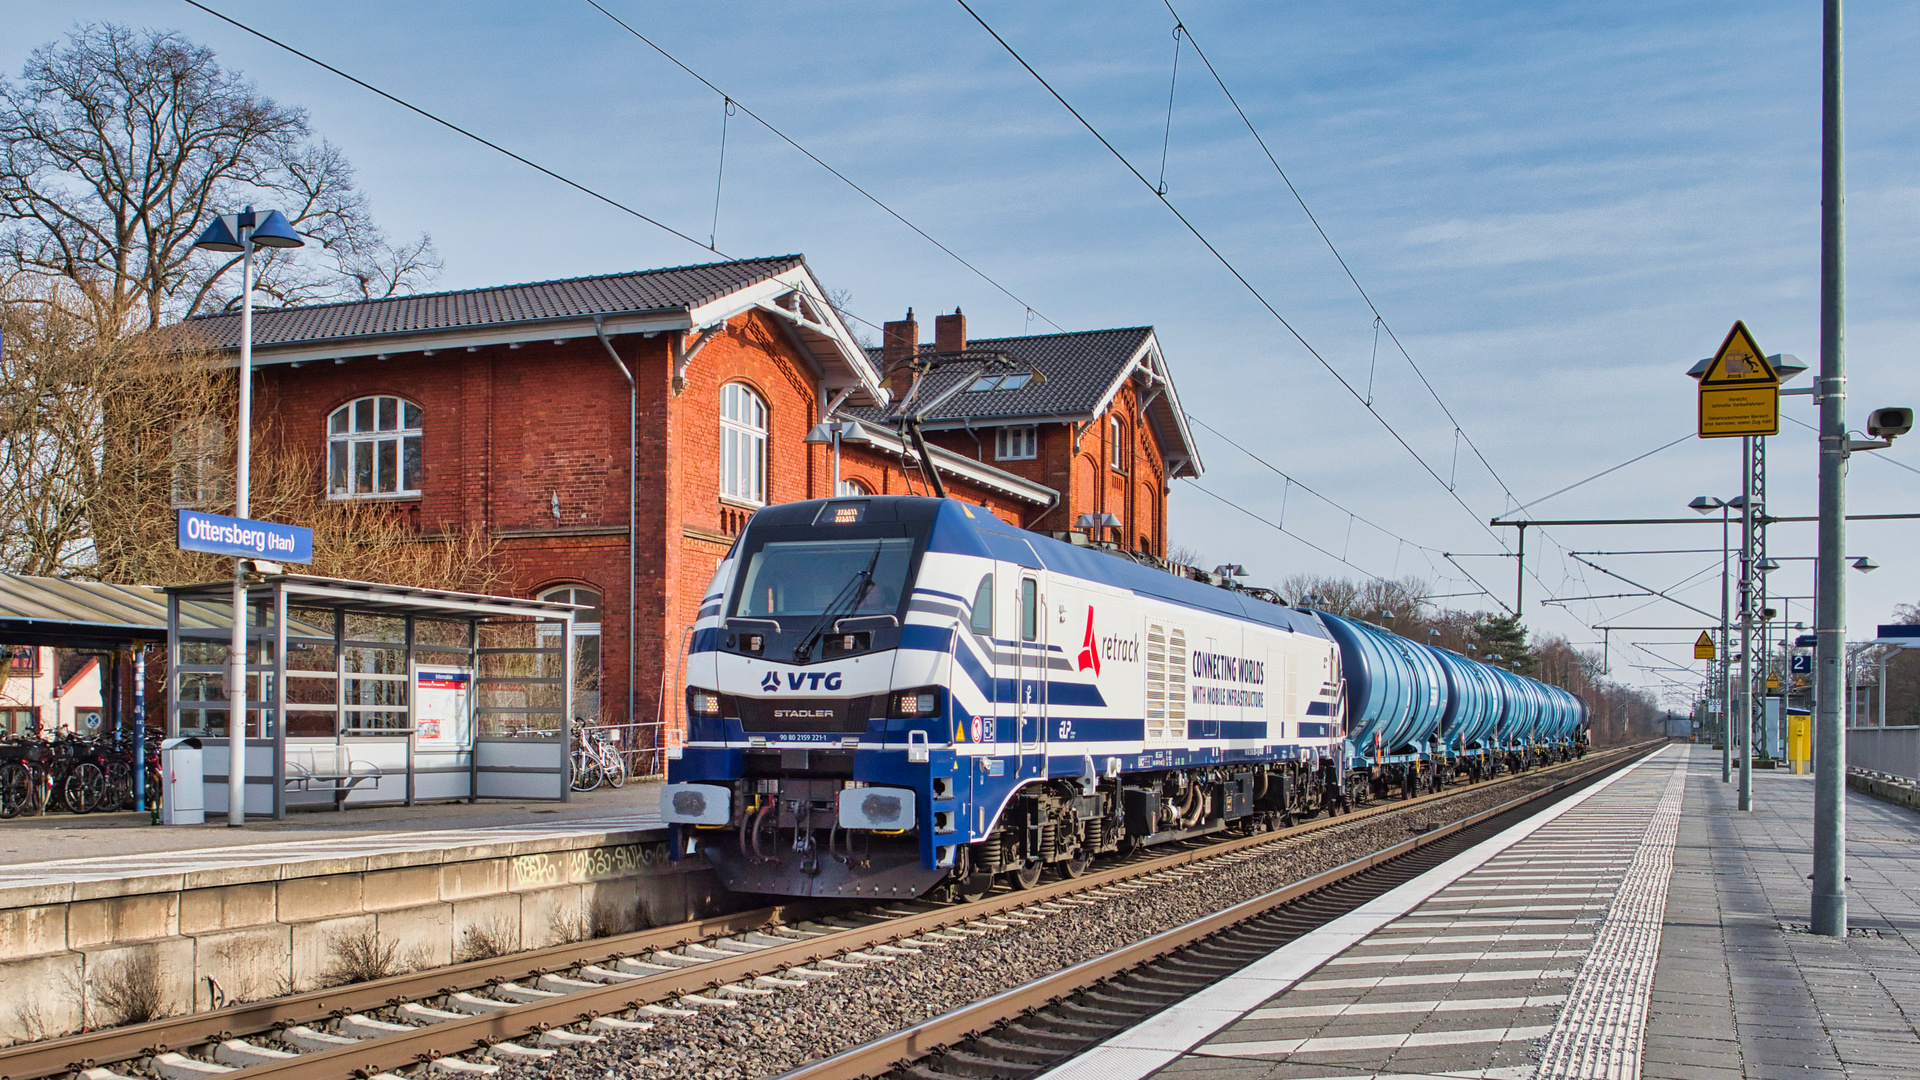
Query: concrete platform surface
{"points": [[1641, 928], [62, 848]]}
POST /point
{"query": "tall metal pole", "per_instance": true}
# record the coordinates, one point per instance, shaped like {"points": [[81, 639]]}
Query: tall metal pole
{"points": [[1830, 630], [1520, 576], [1726, 661], [1743, 722], [237, 682]]}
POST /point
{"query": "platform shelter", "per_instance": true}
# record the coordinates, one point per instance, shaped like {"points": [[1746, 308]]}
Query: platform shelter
{"points": [[360, 692]]}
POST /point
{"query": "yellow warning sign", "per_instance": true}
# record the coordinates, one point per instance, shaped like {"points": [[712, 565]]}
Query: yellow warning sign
{"points": [[1773, 681], [1703, 647], [1739, 390]]}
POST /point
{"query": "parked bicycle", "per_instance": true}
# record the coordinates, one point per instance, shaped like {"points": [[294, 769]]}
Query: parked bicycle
{"points": [[70, 772], [595, 758]]}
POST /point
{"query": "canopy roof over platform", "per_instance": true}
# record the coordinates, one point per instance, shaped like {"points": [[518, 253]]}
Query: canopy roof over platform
{"points": [[92, 615], [310, 591]]}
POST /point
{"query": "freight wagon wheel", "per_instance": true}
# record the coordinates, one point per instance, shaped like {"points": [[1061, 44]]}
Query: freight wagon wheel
{"points": [[1027, 876], [1074, 867]]}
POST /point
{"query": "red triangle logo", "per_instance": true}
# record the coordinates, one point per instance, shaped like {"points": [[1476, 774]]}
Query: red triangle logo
{"points": [[1090, 649]]}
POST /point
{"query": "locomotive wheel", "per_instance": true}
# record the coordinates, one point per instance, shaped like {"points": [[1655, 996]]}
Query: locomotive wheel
{"points": [[973, 887], [1027, 876], [1074, 867]]}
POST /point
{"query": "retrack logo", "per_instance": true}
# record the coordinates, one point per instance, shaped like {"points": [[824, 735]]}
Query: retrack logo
{"points": [[1090, 648]]}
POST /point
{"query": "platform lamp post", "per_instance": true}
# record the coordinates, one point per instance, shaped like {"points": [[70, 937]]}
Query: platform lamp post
{"points": [[242, 233], [1706, 504]]}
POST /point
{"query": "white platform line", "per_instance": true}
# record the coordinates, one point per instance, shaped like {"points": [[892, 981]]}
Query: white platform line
{"points": [[1151, 1044], [1449, 978], [1457, 957], [1343, 1043], [1386, 940], [1474, 907], [1388, 1008]]}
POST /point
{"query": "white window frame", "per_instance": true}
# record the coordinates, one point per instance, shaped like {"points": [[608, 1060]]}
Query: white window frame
{"points": [[1117, 446], [1016, 443], [743, 445], [850, 489], [197, 451], [351, 428], [586, 638]]}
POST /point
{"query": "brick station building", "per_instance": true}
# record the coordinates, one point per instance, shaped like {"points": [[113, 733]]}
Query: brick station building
{"points": [[509, 410]]}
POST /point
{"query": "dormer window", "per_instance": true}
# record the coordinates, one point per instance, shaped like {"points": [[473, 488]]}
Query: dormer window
{"points": [[373, 448], [1012, 381]]}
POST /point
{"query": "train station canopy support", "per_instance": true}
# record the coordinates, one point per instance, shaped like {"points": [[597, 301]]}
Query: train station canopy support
{"points": [[116, 622], [360, 692]]}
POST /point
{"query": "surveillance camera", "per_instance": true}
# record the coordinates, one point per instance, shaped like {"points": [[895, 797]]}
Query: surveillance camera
{"points": [[1889, 423]]}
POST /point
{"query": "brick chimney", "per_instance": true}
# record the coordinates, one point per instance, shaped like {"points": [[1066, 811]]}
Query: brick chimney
{"points": [[950, 332], [901, 341]]}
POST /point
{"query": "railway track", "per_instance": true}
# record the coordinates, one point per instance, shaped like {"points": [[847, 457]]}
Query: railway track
{"points": [[473, 1018], [1031, 1028]]}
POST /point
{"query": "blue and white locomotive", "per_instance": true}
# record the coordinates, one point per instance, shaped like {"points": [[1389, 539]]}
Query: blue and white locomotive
{"points": [[891, 694]]}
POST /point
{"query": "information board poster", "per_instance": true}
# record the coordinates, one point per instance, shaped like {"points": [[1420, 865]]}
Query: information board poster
{"points": [[442, 710]]}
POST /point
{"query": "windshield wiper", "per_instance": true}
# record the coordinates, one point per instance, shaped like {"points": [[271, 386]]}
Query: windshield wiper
{"points": [[850, 592]]}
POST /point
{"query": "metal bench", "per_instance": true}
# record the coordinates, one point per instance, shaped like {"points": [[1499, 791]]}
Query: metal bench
{"points": [[310, 775]]}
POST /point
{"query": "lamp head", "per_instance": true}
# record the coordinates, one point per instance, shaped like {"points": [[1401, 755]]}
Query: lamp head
{"points": [[229, 232], [1767, 565], [219, 236], [1865, 565], [1706, 504], [272, 229]]}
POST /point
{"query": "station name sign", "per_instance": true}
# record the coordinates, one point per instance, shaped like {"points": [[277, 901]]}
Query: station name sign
{"points": [[242, 537]]}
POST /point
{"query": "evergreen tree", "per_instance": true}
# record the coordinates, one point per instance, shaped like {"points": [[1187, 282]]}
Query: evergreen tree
{"points": [[1503, 642]]}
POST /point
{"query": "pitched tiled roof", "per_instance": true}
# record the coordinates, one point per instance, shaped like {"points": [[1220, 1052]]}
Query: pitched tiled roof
{"points": [[1079, 369], [675, 288]]}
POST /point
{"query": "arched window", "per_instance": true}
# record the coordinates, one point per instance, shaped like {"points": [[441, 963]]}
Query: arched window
{"points": [[851, 488], [743, 444], [373, 448], [586, 647], [1116, 444]]}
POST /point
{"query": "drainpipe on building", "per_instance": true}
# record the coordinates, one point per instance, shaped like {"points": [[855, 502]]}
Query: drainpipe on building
{"points": [[633, 525]]}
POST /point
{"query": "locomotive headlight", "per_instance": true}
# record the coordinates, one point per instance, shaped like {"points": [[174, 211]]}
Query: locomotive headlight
{"points": [[914, 704], [703, 702]]}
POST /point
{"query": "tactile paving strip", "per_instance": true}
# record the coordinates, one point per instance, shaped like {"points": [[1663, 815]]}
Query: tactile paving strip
{"points": [[1601, 1029]]}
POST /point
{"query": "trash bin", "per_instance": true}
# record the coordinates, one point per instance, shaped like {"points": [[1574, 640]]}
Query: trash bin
{"points": [[183, 796]]}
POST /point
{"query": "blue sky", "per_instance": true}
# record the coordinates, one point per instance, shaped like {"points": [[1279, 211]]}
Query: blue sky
{"points": [[1557, 207]]}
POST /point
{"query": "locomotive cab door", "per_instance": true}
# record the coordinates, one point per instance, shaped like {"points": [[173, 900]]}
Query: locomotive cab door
{"points": [[1030, 654]]}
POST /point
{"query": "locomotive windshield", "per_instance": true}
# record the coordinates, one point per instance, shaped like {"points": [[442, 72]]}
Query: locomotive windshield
{"points": [[803, 577]]}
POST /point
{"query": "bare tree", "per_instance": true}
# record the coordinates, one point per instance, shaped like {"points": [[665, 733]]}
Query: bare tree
{"points": [[104, 440], [116, 148]]}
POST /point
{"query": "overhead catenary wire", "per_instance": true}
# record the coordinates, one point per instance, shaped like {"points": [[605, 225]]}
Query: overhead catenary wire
{"points": [[1293, 482], [451, 126], [1602, 473], [1228, 264], [1379, 319], [815, 158]]}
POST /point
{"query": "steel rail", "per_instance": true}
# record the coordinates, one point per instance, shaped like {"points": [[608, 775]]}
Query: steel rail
{"points": [[932, 1035], [73, 1053]]}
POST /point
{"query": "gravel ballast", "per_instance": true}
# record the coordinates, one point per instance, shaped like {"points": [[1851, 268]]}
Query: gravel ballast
{"points": [[763, 1036]]}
